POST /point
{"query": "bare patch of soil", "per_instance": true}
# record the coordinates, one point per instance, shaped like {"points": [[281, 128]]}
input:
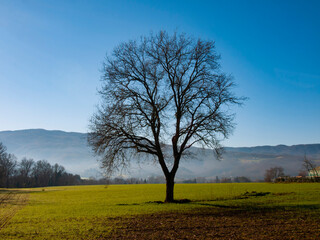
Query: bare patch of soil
{"points": [[208, 223]]}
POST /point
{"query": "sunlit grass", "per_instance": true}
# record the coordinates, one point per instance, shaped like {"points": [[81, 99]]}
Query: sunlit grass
{"points": [[87, 212]]}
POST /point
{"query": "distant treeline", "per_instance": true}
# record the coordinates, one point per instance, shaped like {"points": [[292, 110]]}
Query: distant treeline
{"points": [[30, 173], [161, 179]]}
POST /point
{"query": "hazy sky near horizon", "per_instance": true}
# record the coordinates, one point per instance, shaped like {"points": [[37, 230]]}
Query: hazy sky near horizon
{"points": [[51, 54]]}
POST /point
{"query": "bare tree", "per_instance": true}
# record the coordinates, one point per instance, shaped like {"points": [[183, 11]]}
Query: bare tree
{"points": [[273, 173], [24, 172], [42, 173], [8, 163], [164, 89], [310, 167], [58, 173]]}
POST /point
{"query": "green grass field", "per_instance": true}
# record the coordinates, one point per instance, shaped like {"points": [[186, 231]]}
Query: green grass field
{"points": [[94, 212]]}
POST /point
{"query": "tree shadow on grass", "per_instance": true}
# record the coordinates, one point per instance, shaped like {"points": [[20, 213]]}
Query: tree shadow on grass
{"points": [[243, 205], [128, 204], [223, 203], [179, 201]]}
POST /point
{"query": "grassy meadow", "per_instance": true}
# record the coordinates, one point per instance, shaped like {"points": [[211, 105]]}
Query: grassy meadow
{"points": [[97, 212]]}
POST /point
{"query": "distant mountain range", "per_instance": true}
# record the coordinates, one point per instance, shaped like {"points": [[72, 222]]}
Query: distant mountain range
{"points": [[71, 150]]}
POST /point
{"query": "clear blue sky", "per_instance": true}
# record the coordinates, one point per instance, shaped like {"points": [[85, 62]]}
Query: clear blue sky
{"points": [[51, 52]]}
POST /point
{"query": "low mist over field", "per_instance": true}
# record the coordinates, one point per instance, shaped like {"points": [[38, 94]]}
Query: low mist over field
{"points": [[71, 150]]}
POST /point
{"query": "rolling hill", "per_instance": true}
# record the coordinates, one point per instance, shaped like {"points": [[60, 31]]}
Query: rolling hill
{"points": [[70, 149]]}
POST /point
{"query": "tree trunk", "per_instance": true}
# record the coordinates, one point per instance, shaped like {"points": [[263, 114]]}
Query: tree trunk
{"points": [[169, 189]]}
